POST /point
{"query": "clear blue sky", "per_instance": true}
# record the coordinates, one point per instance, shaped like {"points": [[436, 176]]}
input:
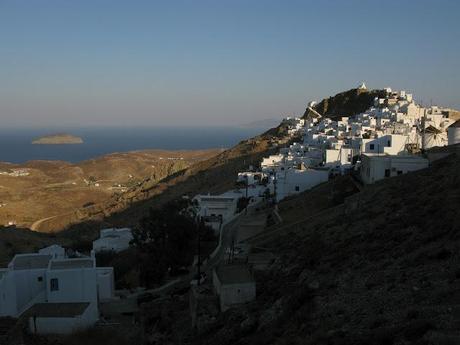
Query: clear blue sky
{"points": [[94, 62]]}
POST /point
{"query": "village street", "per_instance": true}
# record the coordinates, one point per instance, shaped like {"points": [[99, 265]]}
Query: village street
{"points": [[233, 230]]}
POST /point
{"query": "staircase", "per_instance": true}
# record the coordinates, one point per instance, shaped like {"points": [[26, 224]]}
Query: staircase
{"points": [[7, 326]]}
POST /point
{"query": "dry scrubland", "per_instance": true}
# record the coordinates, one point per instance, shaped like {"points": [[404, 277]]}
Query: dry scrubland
{"points": [[210, 170], [56, 188], [216, 174]]}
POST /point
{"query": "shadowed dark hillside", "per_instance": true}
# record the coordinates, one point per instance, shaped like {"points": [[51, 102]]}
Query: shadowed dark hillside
{"points": [[215, 175], [383, 268]]}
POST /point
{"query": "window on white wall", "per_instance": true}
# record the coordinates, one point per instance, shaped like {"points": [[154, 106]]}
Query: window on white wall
{"points": [[54, 284]]}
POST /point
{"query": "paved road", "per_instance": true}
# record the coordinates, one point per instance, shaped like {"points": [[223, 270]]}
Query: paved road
{"points": [[228, 235]]}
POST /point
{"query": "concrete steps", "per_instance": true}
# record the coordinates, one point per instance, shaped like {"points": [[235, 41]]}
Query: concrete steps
{"points": [[7, 325]]}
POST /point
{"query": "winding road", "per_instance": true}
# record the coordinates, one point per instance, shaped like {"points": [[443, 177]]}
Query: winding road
{"points": [[35, 226]]}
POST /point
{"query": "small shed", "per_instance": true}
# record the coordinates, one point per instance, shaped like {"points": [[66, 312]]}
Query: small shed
{"points": [[58, 318], [113, 239], [260, 261], [56, 251], [234, 284]]}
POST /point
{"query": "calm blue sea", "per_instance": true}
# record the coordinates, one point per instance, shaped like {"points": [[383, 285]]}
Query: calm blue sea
{"points": [[16, 147]]}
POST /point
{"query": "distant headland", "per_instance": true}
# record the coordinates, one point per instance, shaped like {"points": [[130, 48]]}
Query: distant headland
{"points": [[58, 139]]}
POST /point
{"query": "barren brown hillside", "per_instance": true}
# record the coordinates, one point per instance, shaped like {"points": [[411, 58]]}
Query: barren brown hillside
{"points": [[217, 174], [51, 189]]}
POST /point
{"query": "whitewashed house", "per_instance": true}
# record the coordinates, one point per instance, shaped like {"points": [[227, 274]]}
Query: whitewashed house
{"points": [[58, 318], [223, 206], [55, 251], [252, 177], [234, 284], [272, 161], [56, 295], [336, 158], [377, 167], [392, 144], [294, 181], [113, 239]]}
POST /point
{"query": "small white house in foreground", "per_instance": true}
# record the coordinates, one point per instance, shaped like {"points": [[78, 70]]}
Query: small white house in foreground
{"points": [[56, 295], [113, 239], [294, 181], [55, 251], [234, 284], [222, 206], [377, 167]]}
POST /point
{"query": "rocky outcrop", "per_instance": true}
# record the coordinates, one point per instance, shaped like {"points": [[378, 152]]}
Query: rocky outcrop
{"points": [[346, 103]]}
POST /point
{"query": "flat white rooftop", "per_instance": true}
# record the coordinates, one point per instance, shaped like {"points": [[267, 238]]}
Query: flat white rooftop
{"points": [[30, 261], [71, 263], [234, 274], [54, 310], [385, 156]]}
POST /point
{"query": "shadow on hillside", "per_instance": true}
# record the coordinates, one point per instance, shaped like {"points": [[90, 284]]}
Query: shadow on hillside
{"points": [[219, 177]]}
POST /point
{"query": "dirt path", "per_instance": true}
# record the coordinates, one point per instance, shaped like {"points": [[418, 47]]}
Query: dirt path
{"points": [[36, 225]]}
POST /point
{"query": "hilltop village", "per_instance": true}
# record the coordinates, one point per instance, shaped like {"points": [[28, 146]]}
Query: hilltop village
{"points": [[59, 291], [386, 140]]}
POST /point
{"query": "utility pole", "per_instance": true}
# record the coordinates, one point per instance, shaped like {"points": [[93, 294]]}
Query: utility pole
{"points": [[200, 224], [423, 132], [199, 252], [247, 182]]}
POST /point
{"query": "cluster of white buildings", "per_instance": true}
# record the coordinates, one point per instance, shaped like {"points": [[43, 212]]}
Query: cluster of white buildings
{"points": [[54, 293], [293, 125], [384, 141], [381, 142]]}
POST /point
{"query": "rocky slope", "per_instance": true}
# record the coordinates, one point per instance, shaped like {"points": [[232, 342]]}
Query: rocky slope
{"points": [[346, 103], [381, 268], [372, 267]]}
